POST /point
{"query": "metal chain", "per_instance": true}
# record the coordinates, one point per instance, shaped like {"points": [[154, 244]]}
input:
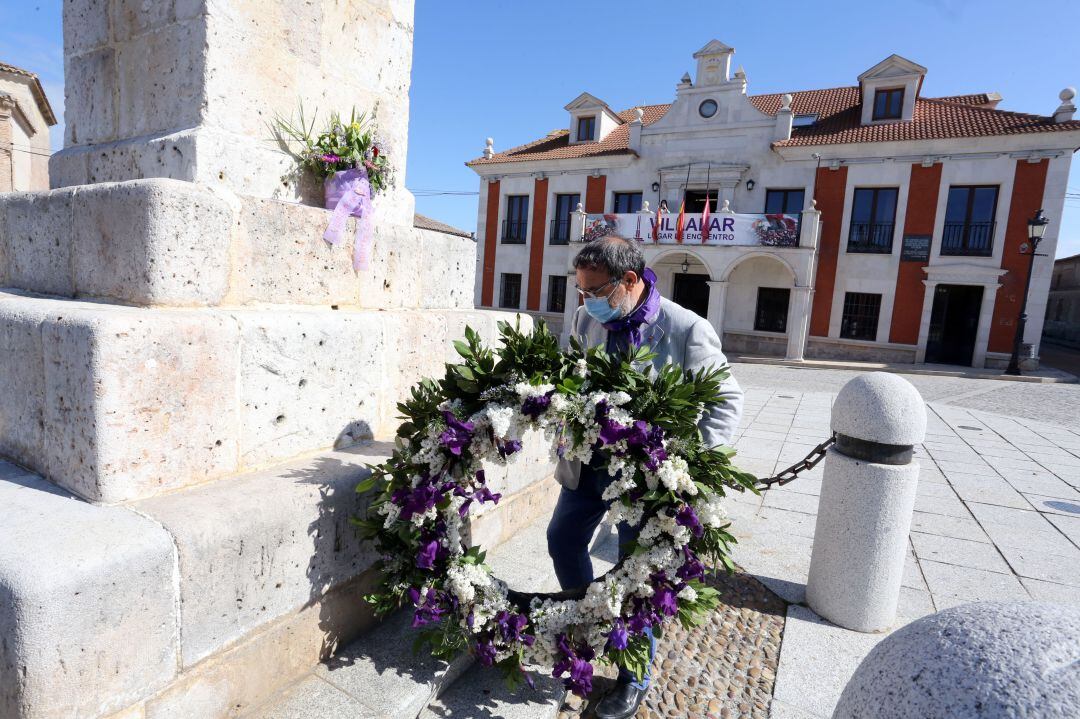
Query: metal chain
{"points": [[791, 473]]}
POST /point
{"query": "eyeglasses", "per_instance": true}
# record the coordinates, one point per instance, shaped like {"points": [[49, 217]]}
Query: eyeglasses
{"points": [[594, 293]]}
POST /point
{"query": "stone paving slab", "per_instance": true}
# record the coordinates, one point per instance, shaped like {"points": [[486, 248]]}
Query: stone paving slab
{"points": [[995, 519]]}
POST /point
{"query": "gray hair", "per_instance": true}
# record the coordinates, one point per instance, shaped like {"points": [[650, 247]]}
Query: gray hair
{"points": [[612, 254]]}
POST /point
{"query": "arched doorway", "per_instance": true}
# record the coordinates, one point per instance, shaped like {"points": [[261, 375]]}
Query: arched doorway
{"points": [[683, 278], [758, 305]]}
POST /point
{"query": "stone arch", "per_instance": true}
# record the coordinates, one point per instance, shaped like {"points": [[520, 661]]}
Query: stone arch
{"points": [[725, 274], [665, 254]]}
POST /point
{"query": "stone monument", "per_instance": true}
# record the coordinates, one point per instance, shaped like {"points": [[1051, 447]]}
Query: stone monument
{"points": [[191, 380]]}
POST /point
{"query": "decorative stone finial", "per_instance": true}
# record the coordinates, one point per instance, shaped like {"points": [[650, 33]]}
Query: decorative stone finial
{"points": [[645, 207], [785, 101], [685, 81], [639, 114], [580, 209], [489, 148], [740, 73], [813, 203], [726, 207], [1067, 109]]}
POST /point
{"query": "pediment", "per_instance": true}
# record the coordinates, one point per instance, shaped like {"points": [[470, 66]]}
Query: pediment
{"points": [[893, 66], [713, 47], [585, 101]]}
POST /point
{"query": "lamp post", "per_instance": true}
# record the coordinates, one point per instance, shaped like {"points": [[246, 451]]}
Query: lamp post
{"points": [[1036, 228]]}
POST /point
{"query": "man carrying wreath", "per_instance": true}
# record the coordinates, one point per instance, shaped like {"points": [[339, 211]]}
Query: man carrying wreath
{"points": [[623, 309]]}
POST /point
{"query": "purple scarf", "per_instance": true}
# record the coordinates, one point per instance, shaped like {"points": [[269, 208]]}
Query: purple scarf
{"points": [[629, 327]]}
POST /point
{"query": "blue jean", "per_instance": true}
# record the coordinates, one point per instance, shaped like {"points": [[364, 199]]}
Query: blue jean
{"points": [[577, 515]]}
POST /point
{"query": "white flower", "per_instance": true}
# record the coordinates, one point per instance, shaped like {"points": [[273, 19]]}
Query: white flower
{"points": [[711, 512]]}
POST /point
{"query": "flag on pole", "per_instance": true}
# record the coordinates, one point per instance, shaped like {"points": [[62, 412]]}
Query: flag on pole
{"points": [[659, 221], [705, 212], [679, 221]]}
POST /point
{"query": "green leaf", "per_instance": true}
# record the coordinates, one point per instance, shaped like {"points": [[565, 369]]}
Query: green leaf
{"points": [[366, 485]]}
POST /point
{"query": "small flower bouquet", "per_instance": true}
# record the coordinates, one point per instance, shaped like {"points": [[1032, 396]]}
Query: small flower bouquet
{"points": [[342, 146]]}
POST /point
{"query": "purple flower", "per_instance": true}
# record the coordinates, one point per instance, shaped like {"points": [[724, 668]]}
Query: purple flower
{"points": [[692, 567], [485, 495], [577, 663], [427, 612], [508, 447], [618, 636], [688, 518], [642, 618], [664, 600], [481, 478], [612, 432], [512, 627], [419, 501], [457, 435], [485, 652], [425, 558], [536, 406], [330, 158]]}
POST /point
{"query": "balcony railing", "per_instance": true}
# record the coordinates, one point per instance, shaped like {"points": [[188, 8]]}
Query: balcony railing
{"points": [[560, 232], [514, 232], [872, 237], [972, 239]]}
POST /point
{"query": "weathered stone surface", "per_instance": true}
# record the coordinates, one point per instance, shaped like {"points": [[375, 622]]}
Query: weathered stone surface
{"points": [[166, 242], [880, 407], [22, 381], [992, 659], [87, 603], [152, 242], [137, 401], [139, 72], [256, 547], [36, 237], [314, 698], [308, 379], [482, 692], [382, 672]]}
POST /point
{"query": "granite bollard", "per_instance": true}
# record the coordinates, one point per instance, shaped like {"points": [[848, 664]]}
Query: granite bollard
{"points": [[867, 498], [988, 659]]}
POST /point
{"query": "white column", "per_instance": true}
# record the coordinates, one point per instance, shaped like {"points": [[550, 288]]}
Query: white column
{"points": [[798, 323], [717, 299], [811, 225]]}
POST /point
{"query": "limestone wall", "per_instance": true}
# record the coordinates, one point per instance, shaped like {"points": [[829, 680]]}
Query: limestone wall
{"points": [[186, 88]]}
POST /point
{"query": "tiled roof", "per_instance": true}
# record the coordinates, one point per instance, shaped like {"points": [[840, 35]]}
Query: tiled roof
{"points": [[426, 223], [839, 118], [556, 146], [36, 88]]}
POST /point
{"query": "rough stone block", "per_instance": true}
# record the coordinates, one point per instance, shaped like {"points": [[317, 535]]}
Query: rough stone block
{"points": [[257, 547], [90, 86], [448, 270], [880, 407], [131, 18], [137, 401], [161, 79], [22, 381], [993, 659], [152, 242], [308, 379], [87, 603], [282, 258], [37, 232], [86, 25]]}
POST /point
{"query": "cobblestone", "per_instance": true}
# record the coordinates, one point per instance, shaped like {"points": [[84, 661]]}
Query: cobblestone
{"points": [[725, 667]]}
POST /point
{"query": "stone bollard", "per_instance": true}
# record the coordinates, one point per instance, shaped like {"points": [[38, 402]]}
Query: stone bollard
{"points": [[990, 659], [867, 496]]}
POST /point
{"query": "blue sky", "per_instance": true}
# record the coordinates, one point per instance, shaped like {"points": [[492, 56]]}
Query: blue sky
{"points": [[505, 69]]}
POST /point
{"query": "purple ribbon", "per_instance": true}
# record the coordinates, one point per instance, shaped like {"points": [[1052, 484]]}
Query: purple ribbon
{"points": [[355, 202]]}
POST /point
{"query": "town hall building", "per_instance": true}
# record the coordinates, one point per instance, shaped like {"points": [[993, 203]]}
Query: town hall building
{"points": [[909, 214]]}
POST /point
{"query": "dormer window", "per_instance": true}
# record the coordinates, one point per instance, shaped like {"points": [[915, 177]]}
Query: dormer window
{"points": [[586, 129], [888, 104], [803, 120]]}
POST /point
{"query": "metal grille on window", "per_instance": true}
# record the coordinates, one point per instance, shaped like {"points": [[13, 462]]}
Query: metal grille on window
{"points": [[515, 226], [556, 293], [873, 215], [860, 319], [510, 296]]}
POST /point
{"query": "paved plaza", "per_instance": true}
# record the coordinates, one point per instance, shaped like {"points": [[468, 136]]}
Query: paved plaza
{"points": [[997, 514]]}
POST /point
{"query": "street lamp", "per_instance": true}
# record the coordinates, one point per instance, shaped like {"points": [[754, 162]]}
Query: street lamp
{"points": [[1036, 228]]}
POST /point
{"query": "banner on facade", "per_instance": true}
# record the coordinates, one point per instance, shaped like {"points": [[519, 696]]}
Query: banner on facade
{"points": [[772, 230]]}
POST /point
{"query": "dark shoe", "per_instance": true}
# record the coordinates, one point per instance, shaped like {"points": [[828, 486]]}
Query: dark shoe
{"points": [[620, 703]]}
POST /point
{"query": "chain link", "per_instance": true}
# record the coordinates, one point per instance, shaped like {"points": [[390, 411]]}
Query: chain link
{"points": [[792, 473]]}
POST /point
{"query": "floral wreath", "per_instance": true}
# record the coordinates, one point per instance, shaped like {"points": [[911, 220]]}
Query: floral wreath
{"points": [[589, 406]]}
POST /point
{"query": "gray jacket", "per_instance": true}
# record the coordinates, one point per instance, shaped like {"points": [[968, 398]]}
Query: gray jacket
{"points": [[677, 336]]}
